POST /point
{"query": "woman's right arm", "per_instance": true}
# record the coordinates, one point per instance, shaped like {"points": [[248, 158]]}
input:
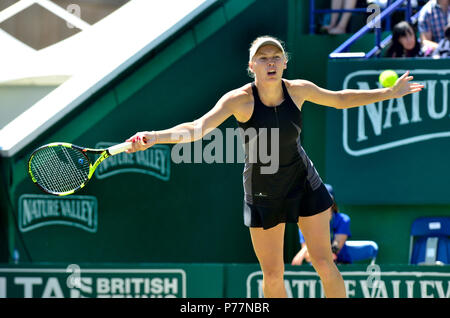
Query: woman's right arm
{"points": [[189, 131]]}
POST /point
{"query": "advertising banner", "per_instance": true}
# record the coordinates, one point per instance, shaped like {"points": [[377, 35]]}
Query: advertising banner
{"points": [[394, 148], [215, 281], [103, 281], [361, 284]]}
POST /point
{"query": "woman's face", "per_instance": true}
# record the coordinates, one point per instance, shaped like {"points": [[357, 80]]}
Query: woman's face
{"points": [[268, 63], [408, 41]]}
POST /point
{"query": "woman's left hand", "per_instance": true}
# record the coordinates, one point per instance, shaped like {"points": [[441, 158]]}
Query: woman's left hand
{"points": [[403, 86]]}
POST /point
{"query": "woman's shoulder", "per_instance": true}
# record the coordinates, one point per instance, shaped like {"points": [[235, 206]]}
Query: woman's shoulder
{"points": [[298, 88], [298, 85], [244, 90], [295, 83], [240, 94]]}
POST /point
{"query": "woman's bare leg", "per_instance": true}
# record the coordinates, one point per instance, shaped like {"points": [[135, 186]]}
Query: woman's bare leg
{"points": [[316, 230], [268, 246]]}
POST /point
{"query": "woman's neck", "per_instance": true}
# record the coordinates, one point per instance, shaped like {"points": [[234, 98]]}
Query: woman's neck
{"points": [[271, 94]]}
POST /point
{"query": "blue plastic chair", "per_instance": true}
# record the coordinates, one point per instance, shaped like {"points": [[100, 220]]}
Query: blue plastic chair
{"points": [[430, 241], [362, 250]]}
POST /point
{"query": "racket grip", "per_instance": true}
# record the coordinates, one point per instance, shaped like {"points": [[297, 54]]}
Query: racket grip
{"points": [[114, 150]]}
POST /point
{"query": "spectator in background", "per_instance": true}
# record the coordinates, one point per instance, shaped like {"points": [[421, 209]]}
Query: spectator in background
{"points": [[383, 3], [339, 26], [340, 232], [433, 18], [443, 49], [405, 43]]}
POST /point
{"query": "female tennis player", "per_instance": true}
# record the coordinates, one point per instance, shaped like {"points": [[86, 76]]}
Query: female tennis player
{"points": [[295, 192]]}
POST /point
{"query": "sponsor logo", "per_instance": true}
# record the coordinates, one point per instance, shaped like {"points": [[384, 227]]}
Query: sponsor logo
{"points": [[74, 282], [360, 284], [37, 210], [397, 122], [155, 161]]}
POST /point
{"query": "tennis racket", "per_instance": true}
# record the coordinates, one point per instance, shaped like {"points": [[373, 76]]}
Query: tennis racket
{"points": [[63, 168]]}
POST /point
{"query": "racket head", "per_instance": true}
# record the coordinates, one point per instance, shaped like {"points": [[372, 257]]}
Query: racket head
{"points": [[59, 168]]}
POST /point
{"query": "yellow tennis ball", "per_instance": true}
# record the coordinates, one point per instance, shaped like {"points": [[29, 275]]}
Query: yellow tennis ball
{"points": [[388, 78]]}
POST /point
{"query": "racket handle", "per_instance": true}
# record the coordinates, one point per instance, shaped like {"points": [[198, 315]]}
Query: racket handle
{"points": [[114, 150]]}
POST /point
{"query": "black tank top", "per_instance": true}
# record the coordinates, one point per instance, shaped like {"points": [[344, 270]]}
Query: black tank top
{"points": [[287, 118]]}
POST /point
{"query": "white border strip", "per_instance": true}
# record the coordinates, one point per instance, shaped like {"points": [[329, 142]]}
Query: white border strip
{"points": [[63, 14], [12, 10]]}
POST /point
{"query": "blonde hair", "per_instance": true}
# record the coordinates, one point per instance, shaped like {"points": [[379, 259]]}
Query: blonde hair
{"points": [[259, 42]]}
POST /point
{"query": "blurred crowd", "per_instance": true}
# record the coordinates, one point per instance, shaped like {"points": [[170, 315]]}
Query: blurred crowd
{"points": [[428, 37]]}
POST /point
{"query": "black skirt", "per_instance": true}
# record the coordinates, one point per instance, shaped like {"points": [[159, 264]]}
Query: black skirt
{"points": [[298, 199]]}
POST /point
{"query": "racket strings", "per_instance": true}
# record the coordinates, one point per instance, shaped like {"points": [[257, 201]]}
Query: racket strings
{"points": [[59, 169]]}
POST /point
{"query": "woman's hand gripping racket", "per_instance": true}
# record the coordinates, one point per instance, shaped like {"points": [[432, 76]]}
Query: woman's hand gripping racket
{"points": [[63, 168]]}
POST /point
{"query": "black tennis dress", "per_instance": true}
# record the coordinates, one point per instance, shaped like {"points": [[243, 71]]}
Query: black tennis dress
{"points": [[295, 189]]}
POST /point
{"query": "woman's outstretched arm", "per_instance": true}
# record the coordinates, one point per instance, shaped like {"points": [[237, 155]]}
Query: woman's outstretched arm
{"points": [[356, 97], [189, 131]]}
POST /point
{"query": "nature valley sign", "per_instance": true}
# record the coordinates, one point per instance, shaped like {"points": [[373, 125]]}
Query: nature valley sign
{"points": [[395, 284], [397, 148], [155, 162], [396, 122], [37, 210]]}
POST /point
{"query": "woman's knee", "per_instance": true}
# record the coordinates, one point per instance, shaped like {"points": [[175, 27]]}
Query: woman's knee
{"points": [[323, 264], [273, 274]]}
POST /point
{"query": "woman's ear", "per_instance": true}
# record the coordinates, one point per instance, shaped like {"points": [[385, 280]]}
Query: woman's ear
{"points": [[250, 67]]}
